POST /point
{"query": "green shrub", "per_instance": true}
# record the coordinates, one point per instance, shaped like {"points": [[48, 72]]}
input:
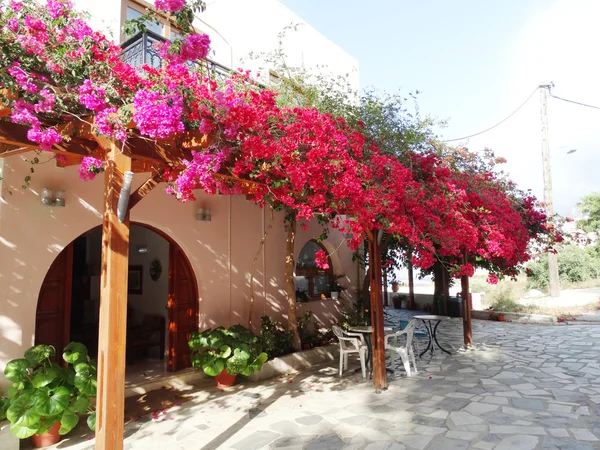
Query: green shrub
{"points": [[575, 265], [274, 339], [357, 316], [307, 329], [235, 349], [507, 304]]}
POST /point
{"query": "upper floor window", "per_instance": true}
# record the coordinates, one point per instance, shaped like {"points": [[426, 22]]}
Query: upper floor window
{"points": [[311, 281], [135, 10]]}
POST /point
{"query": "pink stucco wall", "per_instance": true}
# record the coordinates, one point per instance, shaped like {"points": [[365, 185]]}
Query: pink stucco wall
{"points": [[221, 251]]}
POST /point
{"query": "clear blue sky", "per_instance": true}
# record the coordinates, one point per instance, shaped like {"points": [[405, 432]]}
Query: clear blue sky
{"points": [[475, 61]]}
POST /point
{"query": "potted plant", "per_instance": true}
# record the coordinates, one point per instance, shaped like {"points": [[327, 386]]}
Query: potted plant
{"points": [[46, 397], [225, 353], [395, 286], [397, 300]]}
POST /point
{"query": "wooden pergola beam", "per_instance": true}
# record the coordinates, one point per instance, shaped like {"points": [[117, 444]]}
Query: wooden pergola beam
{"points": [[13, 134], [194, 140], [144, 189], [10, 150]]}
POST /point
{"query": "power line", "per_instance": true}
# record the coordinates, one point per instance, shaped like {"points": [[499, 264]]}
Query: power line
{"points": [[573, 101], [499, 123]]}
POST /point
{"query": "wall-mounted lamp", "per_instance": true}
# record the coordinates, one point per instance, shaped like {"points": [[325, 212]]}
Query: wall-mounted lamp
{"points": [[53, 198], [203, 214]]}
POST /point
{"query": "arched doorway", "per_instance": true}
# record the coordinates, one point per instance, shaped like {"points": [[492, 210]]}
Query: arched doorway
{"points": [[162, 298]]}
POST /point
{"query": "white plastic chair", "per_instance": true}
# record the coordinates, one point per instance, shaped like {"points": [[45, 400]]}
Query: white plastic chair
{"points": [[404, 351], [351, 345]]}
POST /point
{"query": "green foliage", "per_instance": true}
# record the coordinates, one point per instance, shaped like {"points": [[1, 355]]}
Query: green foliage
{"points": [[235, 349], [4, 404], [44, 392], [507, 304], [357, 316], [575, 265], [590, 206], [307, 329], [274, 339]]}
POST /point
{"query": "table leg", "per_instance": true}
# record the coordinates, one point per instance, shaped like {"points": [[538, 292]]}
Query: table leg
{"points": [[435, 338], [429, 334]]}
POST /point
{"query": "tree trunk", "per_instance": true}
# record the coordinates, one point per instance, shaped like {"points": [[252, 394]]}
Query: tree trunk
{"points": [[466, 304], [438, 280], [366, 289], [290, 285], [446, 291], [261, 246], [386, 301], [411, 282]]}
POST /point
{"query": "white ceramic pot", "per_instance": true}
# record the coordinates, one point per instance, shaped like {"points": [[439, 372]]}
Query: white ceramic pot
{"points": [[335, 295]]}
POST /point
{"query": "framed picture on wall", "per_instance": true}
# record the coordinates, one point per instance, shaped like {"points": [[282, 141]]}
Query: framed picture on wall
{"points": [[134, 282]]}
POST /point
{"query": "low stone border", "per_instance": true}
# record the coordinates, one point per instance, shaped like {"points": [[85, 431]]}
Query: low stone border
{"points": [[7, 440], [515, 317], [295, 362]]}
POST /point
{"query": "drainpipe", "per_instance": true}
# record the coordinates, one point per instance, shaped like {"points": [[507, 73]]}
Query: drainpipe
{"points": [[123, 204]]}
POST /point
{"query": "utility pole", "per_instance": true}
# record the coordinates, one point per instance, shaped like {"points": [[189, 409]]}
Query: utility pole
{"points": [[552, 258]]}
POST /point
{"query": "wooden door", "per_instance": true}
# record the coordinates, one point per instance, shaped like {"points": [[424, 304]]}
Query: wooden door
{"points": [[183, 309], [53, 315]]}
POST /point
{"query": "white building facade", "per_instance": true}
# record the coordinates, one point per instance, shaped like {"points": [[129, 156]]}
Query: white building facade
{"points": [[43, 291]]}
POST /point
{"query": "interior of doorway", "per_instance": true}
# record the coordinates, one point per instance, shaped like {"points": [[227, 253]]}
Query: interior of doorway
{"points": [[147, 298], [163, 295]]}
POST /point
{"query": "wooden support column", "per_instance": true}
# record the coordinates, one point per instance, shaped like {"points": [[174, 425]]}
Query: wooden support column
{"points": [[466, 304], [411, 282], [113, 307], [378, 343]]}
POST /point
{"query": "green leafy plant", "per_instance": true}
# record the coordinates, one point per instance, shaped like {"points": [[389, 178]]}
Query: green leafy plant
{"points": [[307, 329], [274, 339], [235, 349], [44, 392], [4, 404], [356, 316]]}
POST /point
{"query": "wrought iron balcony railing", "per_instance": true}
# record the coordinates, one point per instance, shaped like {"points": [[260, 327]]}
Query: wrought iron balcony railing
{"points": [[140, 49]]}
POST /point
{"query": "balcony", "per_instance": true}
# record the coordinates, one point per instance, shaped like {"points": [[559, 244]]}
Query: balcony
{"points": [[139, 50]]}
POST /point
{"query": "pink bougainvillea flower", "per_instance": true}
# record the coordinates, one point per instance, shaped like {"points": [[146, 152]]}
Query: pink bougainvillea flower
{"points": [[89, 168], [492, 278], [170, 6], [322, 259]]}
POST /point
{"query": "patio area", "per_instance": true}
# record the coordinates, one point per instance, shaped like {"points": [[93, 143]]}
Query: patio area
{"points": [[520, 387]]}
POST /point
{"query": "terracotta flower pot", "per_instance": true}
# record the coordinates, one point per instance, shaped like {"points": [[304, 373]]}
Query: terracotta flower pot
{"points": [[501, 318], [305, 346], [395, 287], [51, 437], [224, 379]]}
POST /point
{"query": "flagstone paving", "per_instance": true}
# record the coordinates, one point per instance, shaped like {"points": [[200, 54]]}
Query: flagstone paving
{"points": [[521, 387]]}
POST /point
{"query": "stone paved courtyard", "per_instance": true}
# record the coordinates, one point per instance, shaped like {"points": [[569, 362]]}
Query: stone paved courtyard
{"points": [[521, 387]]}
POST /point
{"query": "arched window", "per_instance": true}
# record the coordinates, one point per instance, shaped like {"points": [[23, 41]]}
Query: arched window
{"points": [[311, 280]]}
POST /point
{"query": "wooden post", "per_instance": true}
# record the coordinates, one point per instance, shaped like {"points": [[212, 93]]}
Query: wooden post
{"points": [[110, 401], [411, 282], [466, 304], [378, 343]]}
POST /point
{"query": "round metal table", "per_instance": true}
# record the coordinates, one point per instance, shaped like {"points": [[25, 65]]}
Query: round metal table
{"points": [[432, 331], [367, 332]]}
